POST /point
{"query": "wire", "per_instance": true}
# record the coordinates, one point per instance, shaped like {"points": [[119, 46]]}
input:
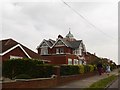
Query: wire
{"points": [[87, 20]]}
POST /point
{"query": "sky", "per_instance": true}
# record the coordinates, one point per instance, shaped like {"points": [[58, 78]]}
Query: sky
{"points": [[30, 22]]}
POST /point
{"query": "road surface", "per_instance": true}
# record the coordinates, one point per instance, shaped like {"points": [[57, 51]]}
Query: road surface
{"points": [[115, 85]]}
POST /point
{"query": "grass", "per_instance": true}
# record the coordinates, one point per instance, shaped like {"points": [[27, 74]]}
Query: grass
{"points": [[101, 84]]}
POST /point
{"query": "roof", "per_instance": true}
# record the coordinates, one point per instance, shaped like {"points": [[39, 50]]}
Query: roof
{"points": [[72, 44], [10, 43], [69, 35], [75, 44], [49, 43]]}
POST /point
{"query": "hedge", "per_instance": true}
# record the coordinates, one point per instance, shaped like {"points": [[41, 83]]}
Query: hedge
{"points": [[81, 69], [33, 68], [76, 69], [23, 76], [69, 70]]}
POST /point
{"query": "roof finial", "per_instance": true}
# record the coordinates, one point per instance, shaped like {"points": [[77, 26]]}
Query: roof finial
{"points": [[69, 30]]}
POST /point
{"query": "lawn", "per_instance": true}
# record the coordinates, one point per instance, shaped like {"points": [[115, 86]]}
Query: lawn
{"points": [[101, 84]]}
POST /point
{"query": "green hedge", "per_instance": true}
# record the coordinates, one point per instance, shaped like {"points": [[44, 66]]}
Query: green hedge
{"points": [[69, 70], [76, 69], [33, 68], [91, 68], [23, 76], [81, 69], [86, 68]]}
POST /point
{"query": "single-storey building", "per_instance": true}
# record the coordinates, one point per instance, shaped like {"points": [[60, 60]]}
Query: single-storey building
{"points": [[12, 49]]}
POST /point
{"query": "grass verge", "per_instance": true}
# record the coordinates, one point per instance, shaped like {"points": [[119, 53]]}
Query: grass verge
{"points": [[101, 84]]}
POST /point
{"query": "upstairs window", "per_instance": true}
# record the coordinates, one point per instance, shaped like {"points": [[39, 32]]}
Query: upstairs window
{"points": [[44, 51], [59, 51]]}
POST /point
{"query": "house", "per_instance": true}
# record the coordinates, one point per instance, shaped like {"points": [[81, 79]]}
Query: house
{"points": [[12, 49], [66, 50], [91, 58]]}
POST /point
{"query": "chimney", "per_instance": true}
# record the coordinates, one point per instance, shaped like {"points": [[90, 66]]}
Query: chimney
{"points": [[59, 36]]}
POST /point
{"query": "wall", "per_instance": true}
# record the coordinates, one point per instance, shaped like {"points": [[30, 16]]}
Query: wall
{"points": [[46, 83], [15, 52], [55, 59]]}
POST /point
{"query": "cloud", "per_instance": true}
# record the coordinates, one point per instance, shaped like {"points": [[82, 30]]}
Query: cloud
{"points": [[31, 22]]}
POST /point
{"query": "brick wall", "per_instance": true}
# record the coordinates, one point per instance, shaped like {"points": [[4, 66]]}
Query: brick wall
{"points": [[15, 52], [46, 83]]}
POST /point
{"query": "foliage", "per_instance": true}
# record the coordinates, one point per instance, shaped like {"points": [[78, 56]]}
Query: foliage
{"points": [[33, 68], [86, 68], [81, 69], [23, 76], [69, 70], [91, 68], [76, 69], [41, 71], [103, 82]]}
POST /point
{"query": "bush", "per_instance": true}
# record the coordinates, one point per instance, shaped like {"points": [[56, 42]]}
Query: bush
{"points": [[23, 76], [81, 69], [33, 68], [86, 68], [91, 68], [69, 70], [112, 67], [41, 71]]}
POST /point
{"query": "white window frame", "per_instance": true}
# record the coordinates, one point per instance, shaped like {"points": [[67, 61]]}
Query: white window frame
{"points": [[80, 62], [15, 57], [69, 61], [57, 50], [75, 62], [44, 51]]}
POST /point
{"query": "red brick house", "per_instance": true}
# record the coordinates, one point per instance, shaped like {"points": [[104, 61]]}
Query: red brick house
{"points": [[66, 50], [12, 49]]}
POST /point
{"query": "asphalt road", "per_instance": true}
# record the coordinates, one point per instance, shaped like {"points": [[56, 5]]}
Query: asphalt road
{"points": [[115, 85]]}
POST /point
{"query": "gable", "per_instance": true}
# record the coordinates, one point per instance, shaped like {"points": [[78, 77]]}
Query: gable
{"points": [[18, 45], [59, 43], [43, 45]]}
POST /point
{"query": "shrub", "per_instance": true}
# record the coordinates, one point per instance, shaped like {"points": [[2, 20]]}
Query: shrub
{"points": [[91, 68], [81, 69], [23, 76], [95, 67], [34, 68], [86, 68], [41, 71], [69, 70]]}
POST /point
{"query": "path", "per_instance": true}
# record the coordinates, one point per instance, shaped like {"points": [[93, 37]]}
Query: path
{"points": [[85, 83]]}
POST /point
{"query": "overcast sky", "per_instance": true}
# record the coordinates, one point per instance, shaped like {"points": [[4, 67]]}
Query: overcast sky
{"points": [[31, 22]]}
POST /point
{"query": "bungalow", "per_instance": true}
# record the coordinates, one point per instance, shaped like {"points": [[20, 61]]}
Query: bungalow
{"points": [[12, 49], [66, 50]]}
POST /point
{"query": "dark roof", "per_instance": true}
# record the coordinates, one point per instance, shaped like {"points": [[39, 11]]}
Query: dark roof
{"points": [[9, 43], [50, 42], [73, 44]]}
